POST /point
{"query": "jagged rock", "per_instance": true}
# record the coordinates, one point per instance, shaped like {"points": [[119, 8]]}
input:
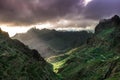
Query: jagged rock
{"points": [[107, 23], [116, 19]]}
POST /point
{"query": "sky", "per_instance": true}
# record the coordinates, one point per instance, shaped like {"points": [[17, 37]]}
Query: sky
{"points": [[17, 16]]}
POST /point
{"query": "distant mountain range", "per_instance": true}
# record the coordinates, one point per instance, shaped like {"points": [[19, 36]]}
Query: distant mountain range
{"points": [[52, 42]]}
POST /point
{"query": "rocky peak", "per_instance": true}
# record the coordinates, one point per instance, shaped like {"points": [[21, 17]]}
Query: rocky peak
{"points": [[107, 23], [116, 19]]}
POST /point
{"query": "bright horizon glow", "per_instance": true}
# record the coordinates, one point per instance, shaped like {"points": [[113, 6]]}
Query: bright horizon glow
{"points": [[17, 29], [22, 29], [13, 30], [45, 25]]}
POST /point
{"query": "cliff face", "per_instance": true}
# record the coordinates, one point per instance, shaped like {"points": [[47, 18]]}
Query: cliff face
{"points": [[51, 42], [18, 62], [98, 59]]}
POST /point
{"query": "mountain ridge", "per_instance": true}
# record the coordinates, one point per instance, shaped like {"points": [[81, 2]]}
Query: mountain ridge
{"points": [[52, 42], [18, 62]]}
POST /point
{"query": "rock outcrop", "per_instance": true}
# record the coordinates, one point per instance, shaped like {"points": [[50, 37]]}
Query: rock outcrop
{"points": [[107, 23]]}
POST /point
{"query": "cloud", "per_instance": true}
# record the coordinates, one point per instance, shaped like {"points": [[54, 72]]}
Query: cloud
{"points": [[32, 12], [28, 12], [98, 9]]}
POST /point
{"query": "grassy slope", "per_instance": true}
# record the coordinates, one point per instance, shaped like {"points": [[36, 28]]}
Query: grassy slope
{"points": [[18, 62], [98, 61]]}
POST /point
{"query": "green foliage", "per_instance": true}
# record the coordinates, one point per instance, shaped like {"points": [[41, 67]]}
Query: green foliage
{"points": [[91, 62], [17, 62], [105, 34]]}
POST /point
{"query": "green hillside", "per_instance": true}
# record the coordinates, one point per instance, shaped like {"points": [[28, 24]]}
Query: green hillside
{"points": [[98, 59], [18, 62]]}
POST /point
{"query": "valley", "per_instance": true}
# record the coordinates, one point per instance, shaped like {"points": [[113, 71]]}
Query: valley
{"points": [[89, 56]]}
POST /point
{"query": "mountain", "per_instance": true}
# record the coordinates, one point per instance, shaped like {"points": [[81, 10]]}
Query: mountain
{"points": [[52, 42], [98, 59], [18, 62]]}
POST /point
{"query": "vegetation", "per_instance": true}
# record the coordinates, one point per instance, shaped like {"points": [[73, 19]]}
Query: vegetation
{"points": [[18, 62], [98, 59]]}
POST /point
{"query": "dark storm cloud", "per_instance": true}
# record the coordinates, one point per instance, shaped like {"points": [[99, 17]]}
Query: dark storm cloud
{"points": [[30, 12], [27, 12], [98, 9]]}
